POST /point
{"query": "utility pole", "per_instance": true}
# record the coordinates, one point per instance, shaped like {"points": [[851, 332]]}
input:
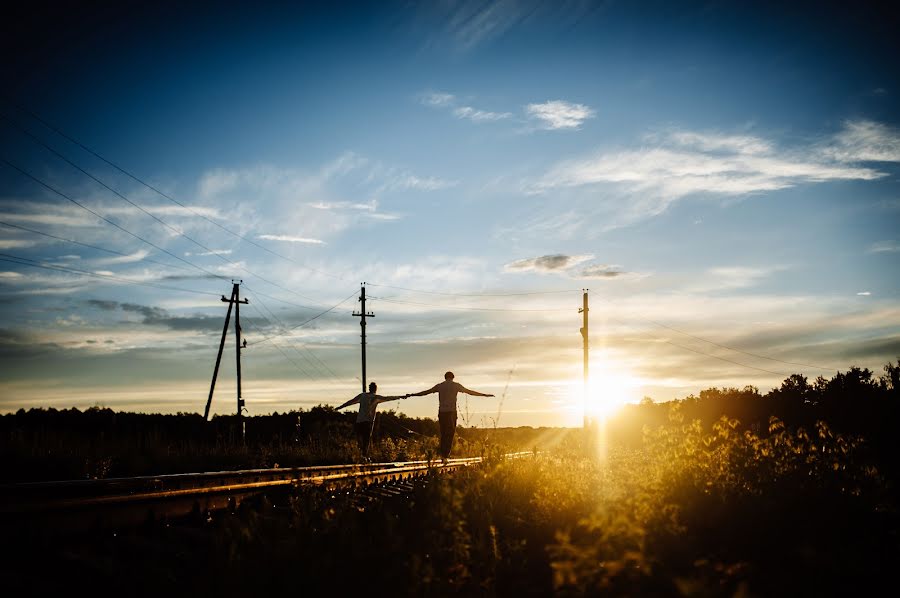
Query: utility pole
{"points": [[584, 335], [362, 314], [234, 301]]}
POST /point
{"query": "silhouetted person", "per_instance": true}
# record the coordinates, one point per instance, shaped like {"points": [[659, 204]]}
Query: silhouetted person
{"points": [[447, 391], [365, 419]]}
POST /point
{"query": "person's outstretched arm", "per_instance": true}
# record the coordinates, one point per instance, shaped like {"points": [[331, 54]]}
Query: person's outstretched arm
{"points": [[352, 401], [474, 393], [381, 399], [424, 392]]}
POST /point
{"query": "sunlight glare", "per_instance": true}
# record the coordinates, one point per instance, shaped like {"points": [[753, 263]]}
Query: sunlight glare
{"points": [[608, 390]]}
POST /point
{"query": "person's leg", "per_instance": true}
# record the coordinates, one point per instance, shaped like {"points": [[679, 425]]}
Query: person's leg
{"points": [[448, 429], [362, 430]]}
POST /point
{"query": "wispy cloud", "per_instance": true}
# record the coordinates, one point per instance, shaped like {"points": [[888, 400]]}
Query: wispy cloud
{"points": [[884, 247], [15, 243], [683, 163], [367, 210], [411, 181], [210, 252], [727, 278], [345, 205], [559, 114], [547, 263], [438, 99], [468, 24], [290, 199], [603, 272], [458, 109], [46, 213], [865, 141], [290, 239], [477, 116], [125, 259], [864, 294]]}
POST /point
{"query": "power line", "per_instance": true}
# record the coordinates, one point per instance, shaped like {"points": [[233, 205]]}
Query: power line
{"points": [[305, 322], [388, 286], [721, 346], [465, 308], [14, 259], [134, 177], [139, 207], [107, 220], [74, 242], [738, 350], [145, 259], [161, 193], [724, 359], [295, 364], [330, 373]]}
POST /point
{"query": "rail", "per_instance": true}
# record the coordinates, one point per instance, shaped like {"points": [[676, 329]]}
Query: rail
{"points": [[85, 504]]}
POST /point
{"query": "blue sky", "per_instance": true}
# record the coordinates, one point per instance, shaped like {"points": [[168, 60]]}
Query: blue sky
{"points": [[723, 177]]}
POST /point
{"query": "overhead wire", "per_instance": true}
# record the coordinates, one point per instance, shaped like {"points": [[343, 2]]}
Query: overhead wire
{"points": [[6, 257], [307, 321], [139, 180], [467, 308], [324, 373], [107, 220], [720, 345], [174, 229], [244, 238], [89, 246]]}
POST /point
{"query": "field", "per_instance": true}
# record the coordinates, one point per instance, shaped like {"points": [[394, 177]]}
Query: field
{"points": [[666, 499]]}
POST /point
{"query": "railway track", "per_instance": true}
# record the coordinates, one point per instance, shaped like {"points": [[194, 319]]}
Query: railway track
{"points": [[82, 505]]}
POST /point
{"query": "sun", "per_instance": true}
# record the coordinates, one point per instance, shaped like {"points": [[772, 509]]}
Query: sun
{"points": [[608, 390]]}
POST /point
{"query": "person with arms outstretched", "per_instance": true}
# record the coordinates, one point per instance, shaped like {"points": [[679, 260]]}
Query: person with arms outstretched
{"points": [[365, 418], [447, 392]]}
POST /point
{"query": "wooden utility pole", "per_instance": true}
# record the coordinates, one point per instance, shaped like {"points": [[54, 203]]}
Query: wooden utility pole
{"points": [[234, 301], [362, 314], [584, 334]]}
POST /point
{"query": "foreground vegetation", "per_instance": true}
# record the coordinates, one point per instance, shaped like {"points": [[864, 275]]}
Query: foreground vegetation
{"points": [[796, 497], [700, 511]]}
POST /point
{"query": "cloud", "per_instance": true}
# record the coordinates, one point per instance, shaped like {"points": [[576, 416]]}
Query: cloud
{"points": [[437, 99], [156, 316], [546, 263], [559, 114], [603, 271], [864, 294], [635, 184], [740, 144], [103, 304], [290, 200], [290, 239], [211, 252], [125, 259], [7, 276], [345, 205], [477, 116], [865, 141], [410, 181], [449, 101], [884, 247], [467, 24], [15, 243], [46, 213], [732, 277]]}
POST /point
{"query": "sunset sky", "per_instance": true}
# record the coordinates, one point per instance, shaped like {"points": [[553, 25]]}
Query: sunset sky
{"points": [[722, 177]]}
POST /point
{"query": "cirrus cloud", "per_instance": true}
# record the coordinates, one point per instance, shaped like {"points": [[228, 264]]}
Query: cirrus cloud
{"points": [[547, 263], [559, 114]]}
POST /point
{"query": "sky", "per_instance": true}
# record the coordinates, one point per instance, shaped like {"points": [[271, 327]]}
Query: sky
{"points": [[722, 177]]}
